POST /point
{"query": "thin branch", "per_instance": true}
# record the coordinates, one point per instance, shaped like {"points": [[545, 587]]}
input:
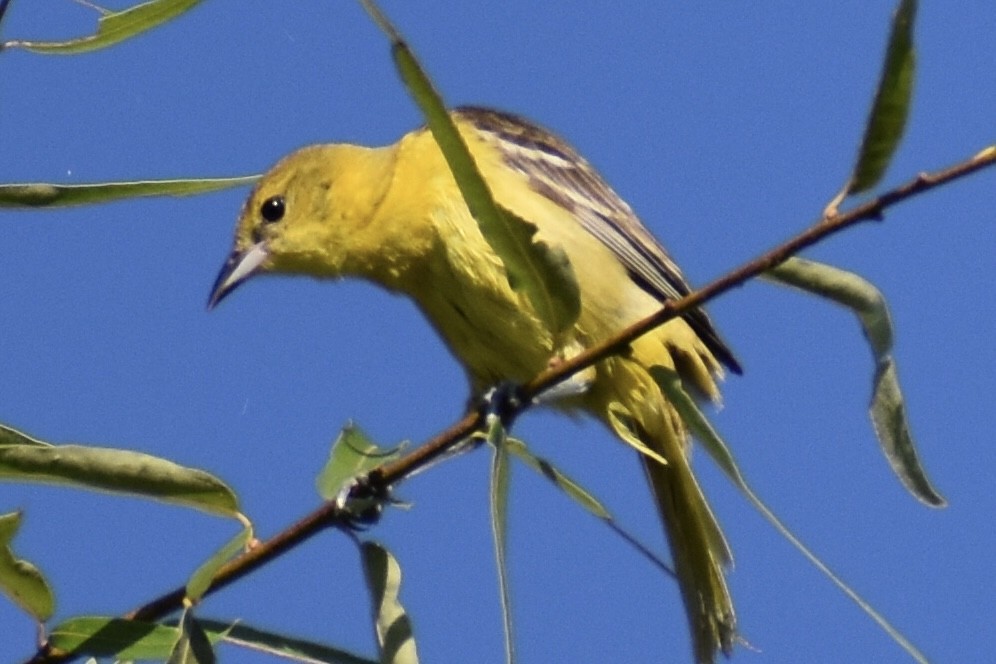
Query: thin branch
{"points": [[389, 474], [872, 210]]}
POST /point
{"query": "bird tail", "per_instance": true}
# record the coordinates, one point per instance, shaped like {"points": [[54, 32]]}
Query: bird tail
{"points": [[636, 409]]}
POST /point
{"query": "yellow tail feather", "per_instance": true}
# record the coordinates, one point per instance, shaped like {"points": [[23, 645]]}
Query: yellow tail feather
{"points": [[637, 409]]}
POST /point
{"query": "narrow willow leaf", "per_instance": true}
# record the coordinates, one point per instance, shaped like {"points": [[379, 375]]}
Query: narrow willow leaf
{"points": [[193, 646], [540, 271], [393, 628], [113, 28], [702, 429], [201, 579], [21, 581], [585, 499], [115, 471], [500, 475], [887, 410], [575, 491], [46, 195], [696, 421], [889, 112], [285, 647], [888, 413], [113, 637], [352, 454]]}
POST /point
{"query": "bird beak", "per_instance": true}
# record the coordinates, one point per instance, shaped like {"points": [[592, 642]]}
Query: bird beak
{"points": [[238, 268]]}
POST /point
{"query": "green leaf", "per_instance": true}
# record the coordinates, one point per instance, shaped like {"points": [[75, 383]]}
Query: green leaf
{"points": [[500, 475], [540, 271], [281, 646], [201, 579], [352, 454], [670, 383], [46, 195], [113, 470], [888, 413], [702, 429], [574, 491], [113, 637], [584, 498], [887, 410], [21, 581], [113, 28], [395, 639], [889, 112], [193, 646]]}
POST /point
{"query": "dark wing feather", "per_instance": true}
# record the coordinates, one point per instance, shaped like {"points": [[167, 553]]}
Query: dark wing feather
{"points": [[558, 172]]}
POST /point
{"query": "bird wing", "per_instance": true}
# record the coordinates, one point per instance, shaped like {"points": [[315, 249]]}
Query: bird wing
{"points": [[556, 171]]}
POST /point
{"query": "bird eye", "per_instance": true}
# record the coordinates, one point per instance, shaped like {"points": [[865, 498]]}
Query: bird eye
{"points": [[273, 209]]}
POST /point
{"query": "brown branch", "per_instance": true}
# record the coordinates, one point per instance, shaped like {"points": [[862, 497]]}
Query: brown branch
{"points": [[869, 211], [391, 473]]}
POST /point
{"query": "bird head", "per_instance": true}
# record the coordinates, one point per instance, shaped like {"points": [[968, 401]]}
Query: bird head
{"points": [[308, 215]]}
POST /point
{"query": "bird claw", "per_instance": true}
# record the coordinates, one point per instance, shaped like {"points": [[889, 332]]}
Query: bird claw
{"points": [[504, 401], [361, 502]]}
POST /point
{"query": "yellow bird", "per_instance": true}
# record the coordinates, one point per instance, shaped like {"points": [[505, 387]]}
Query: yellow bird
{"points": [[393, 215]]}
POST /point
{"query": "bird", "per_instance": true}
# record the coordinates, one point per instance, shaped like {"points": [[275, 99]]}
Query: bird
{"points": [[394, 216]]}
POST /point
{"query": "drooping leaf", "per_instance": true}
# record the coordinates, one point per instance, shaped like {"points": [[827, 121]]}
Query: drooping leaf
{"points": [[285, 647], [670, 383], [20, 580], [702, 429], [201, 579], [113, 470], [585, 499], [498, 499], [193, 646], [890, 110], [575, 491], [112, 28], [887, 409], [540, 271], [352, 454], [47, 195], [393, 628], [888, 414]]}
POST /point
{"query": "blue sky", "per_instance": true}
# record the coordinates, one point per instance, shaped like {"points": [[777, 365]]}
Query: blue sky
{"points": [[727, 126]]}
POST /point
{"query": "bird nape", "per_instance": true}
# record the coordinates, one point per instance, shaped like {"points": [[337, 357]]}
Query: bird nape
{"points": [[394, 215]]}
